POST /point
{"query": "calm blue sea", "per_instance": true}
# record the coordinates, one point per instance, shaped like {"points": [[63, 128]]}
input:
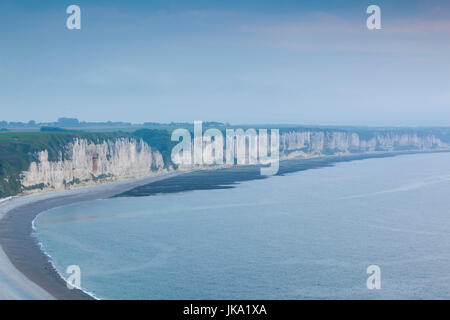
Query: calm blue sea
{"points": [[306, 235]]}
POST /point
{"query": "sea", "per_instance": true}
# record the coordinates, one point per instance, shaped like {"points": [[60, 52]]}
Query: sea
{"points": [[311, 234]]}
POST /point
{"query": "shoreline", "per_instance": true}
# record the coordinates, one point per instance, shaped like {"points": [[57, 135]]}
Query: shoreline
{"points": [[26, 270]]}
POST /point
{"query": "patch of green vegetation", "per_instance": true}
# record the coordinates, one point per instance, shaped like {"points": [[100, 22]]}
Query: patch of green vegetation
{"points": [[39, 186], [74, 182], [53, 129], [101, 177], [159, 140]]}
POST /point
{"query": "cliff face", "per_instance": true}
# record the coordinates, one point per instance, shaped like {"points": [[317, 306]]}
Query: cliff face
{"points": [[298, 142], [34, 162], [314, 143], [83, 161]]}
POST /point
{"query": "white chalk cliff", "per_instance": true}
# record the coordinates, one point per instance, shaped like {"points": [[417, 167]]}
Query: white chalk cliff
{"points": [[316, 143], [88, 162]]}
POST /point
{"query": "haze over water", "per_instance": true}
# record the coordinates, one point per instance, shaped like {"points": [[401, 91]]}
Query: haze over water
{"points": [[306, 235]]}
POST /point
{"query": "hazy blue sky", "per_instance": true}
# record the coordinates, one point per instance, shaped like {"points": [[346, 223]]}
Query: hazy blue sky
{"points": [[309, 62]]}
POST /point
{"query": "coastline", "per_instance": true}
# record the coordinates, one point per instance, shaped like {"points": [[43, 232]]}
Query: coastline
{"points": [[26, 271]]}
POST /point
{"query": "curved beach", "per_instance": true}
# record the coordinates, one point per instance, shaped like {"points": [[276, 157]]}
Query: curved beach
{"points": [[25, 270], [27, 273]]}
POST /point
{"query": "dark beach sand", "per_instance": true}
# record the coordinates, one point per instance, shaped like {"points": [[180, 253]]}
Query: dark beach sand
{"points": [[226, 178]]}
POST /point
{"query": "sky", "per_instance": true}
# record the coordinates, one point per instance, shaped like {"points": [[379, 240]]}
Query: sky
{"points": [[287, 62]]}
